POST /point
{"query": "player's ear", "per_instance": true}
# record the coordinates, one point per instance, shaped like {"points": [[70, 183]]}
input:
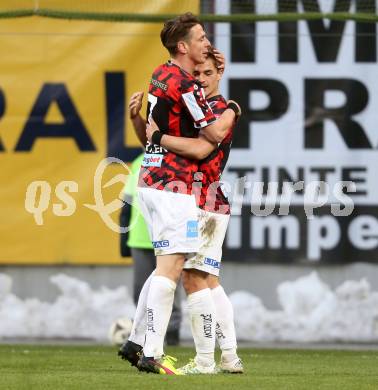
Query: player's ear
{"points": [[182, 47]]}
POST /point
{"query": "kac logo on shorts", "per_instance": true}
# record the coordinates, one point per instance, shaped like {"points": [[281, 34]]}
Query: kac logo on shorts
{"points": [[152, 160], [160, 244], [212, 262], [192, 229]]}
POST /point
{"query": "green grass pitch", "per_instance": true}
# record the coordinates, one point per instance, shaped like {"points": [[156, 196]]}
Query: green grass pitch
{"points": [[98, 367]]}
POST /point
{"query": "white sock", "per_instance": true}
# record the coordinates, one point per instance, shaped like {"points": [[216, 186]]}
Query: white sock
{"points": [[202, 319], [225, 330], [138, 331], [159, 309]]}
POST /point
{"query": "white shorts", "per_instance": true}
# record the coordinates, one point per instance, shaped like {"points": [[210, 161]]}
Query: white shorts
{"points": [[172, 220], [212, 229]]}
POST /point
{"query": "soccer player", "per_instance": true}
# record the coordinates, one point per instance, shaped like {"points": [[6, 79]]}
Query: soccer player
{"points": [[178, 105], [215, 211], [214, 217], [138, 240]]}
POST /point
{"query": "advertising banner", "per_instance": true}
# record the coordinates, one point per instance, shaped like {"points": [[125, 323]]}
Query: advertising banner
{"points": [[64, 89], [305, 156]]}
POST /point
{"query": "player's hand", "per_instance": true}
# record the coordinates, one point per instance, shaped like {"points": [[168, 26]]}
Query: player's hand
{"points": [[237, 109], [221, 59], [151, 127], [135, 104]]}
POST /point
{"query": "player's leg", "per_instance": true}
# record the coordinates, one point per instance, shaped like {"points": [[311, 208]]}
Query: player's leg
{"points": [[144, 265], [208, 260], [173, 219], [225, 328], [160, 300], [202, 319], [173, 332], [159, 308], [133, 348], [200, 302]]}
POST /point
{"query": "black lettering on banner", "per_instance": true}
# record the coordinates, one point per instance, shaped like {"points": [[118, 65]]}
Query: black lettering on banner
{"points": [[349, 174], [327, 40], [366, 34], [115, 118], [323, 172], [325, 239], [285, 176], [316, 112], [36, 127], [243, 35], [287, 34], [240, 89], [2, 112]]}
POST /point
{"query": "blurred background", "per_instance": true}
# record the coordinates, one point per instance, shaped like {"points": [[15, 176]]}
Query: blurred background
{"points": [[300, 258]]}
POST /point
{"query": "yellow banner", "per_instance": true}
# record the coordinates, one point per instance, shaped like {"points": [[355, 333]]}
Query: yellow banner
{"points": [[64, 87]]}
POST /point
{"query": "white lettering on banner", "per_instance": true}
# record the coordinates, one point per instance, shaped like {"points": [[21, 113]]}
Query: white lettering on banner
{"points": [[324, 233], [309, 94], [303, 238], [363, 232], [276, 226]]}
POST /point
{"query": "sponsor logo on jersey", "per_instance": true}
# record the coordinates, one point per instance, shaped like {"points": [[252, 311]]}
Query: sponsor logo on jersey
{"points": [[159, 84], [152, 160], [212, 262], [192, 229], [160, 244]]}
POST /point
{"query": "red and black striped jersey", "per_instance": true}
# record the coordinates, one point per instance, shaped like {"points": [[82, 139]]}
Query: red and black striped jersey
{"points": [[177, 104], [212, 198]]}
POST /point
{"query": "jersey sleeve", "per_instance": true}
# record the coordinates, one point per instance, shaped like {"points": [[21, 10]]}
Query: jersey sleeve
{"points": [[194, 100]]}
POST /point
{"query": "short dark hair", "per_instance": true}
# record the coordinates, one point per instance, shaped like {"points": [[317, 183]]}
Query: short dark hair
{"points": [[177, 29]]}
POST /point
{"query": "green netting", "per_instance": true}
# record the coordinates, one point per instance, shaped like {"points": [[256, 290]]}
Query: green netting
{"points": [[160, 10]]}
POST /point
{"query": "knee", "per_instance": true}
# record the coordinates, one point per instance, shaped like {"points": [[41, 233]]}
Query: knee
{"points": [[212, 281], [193, 280], [170, 266]]}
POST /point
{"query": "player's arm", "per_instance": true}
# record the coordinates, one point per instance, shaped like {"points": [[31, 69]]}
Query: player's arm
{"points": [[204, 118], [216, 131], [139, 123], [193, 148]]}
